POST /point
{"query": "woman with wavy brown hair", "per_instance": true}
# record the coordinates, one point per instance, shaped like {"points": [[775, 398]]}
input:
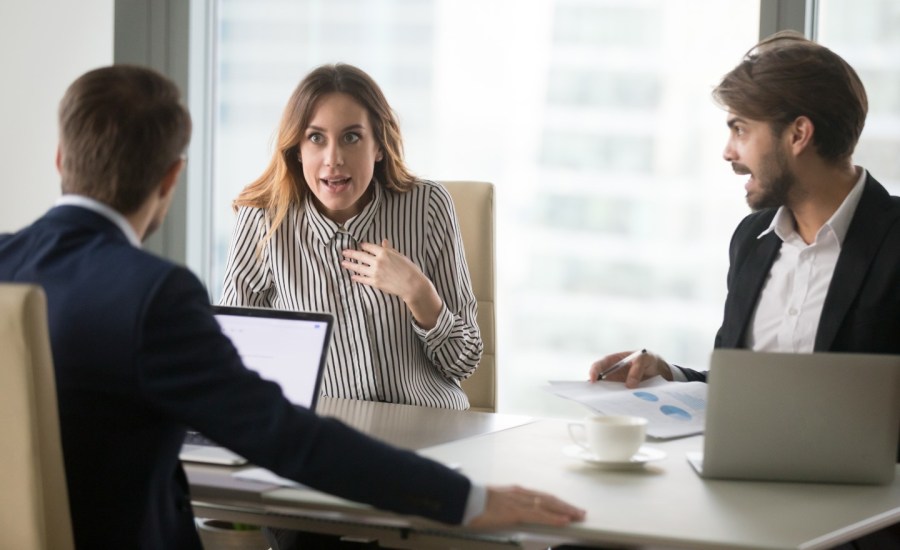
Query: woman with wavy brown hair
{"points": [[337, 223]]}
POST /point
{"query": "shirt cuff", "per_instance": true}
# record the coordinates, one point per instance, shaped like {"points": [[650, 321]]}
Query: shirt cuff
{"points": [[677, 374], [475, 503], [441, 329]]}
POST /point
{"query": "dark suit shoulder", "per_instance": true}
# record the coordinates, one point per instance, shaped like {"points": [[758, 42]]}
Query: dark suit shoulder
{"points": [[753, 224], [877, 202]]}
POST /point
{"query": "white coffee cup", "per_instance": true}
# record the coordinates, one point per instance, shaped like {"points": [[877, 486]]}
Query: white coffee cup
{"points": [[610, 438]]}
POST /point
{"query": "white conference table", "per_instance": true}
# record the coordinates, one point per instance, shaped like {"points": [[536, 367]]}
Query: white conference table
{"points": [[661, 505]]}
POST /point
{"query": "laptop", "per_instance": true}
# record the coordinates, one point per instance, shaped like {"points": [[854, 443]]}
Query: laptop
{"points": [[814, 417], [287, 347]]}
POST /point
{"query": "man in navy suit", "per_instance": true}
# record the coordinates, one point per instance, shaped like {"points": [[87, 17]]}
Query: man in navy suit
{"points": [[816, 267], [139, 356]]}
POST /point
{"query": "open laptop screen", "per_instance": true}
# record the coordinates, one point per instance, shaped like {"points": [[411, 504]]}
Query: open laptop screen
{"points": [[289, 348], [286, 347]]}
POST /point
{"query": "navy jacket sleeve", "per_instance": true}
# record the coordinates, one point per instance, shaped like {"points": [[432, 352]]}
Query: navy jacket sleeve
{"points": [[190, 372]]}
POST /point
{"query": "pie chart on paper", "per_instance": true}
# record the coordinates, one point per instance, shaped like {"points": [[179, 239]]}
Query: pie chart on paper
{"points": [[646, 396], [674, 412]]}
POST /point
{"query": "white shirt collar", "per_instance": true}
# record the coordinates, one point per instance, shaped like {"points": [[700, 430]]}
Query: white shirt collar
{"points": [[103, 210], [839, 222]]}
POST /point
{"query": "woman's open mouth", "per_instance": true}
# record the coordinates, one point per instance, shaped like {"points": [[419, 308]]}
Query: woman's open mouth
{"points": [[335, 183]]}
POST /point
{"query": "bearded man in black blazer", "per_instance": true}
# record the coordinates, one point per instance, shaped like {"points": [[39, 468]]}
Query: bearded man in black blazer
{"points": [[139, 357], [816, 267]]}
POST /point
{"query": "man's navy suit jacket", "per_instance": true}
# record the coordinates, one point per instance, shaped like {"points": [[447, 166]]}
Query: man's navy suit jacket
{"points": [[139, 358]]}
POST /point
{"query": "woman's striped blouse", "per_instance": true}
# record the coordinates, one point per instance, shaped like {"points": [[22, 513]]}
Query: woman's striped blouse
{"points": [[378, 352]]}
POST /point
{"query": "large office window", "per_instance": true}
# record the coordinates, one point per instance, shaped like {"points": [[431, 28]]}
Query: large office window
{"points": [[865, 34], [592, 117]]}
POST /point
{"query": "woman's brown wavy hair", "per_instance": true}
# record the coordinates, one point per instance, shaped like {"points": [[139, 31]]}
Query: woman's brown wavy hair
{"points": [[282, 183]]}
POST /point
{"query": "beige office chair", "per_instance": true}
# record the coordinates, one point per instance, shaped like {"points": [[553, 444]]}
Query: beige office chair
{"points": [[474, 203], [34, 502]]}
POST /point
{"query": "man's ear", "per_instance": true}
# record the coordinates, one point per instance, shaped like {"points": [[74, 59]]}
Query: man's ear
{"points": [[171, 178], [800, 133], [59, 159]]}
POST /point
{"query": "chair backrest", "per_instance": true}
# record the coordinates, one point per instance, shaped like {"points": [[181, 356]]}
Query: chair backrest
{"points": [[34, 502], [474, 204]]}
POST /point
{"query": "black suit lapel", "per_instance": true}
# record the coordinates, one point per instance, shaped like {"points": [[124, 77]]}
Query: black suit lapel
{"points": [[864, 237], [746, 286]]}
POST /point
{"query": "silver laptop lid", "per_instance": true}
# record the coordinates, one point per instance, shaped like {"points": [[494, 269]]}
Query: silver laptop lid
{"points": [[819, 417]]}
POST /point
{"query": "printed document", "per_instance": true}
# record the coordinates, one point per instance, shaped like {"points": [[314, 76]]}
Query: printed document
{"points": [[673, 409]]}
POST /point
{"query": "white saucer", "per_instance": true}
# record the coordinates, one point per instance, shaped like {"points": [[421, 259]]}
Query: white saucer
{"points": [[644, 455]]}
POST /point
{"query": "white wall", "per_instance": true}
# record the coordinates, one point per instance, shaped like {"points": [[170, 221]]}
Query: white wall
{"points": [[45, 45]]}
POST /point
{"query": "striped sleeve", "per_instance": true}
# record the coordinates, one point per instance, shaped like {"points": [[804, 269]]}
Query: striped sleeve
{"points": [[248, 279], [454, 345]]}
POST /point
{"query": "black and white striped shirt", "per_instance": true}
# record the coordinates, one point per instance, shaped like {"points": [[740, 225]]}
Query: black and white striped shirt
{"points": [[378, 352]]}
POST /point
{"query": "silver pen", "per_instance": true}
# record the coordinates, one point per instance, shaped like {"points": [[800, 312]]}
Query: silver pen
{"points": [[628, 359]]}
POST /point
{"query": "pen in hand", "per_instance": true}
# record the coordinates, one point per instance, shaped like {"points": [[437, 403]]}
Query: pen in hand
{"points": [[619, 364]]}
